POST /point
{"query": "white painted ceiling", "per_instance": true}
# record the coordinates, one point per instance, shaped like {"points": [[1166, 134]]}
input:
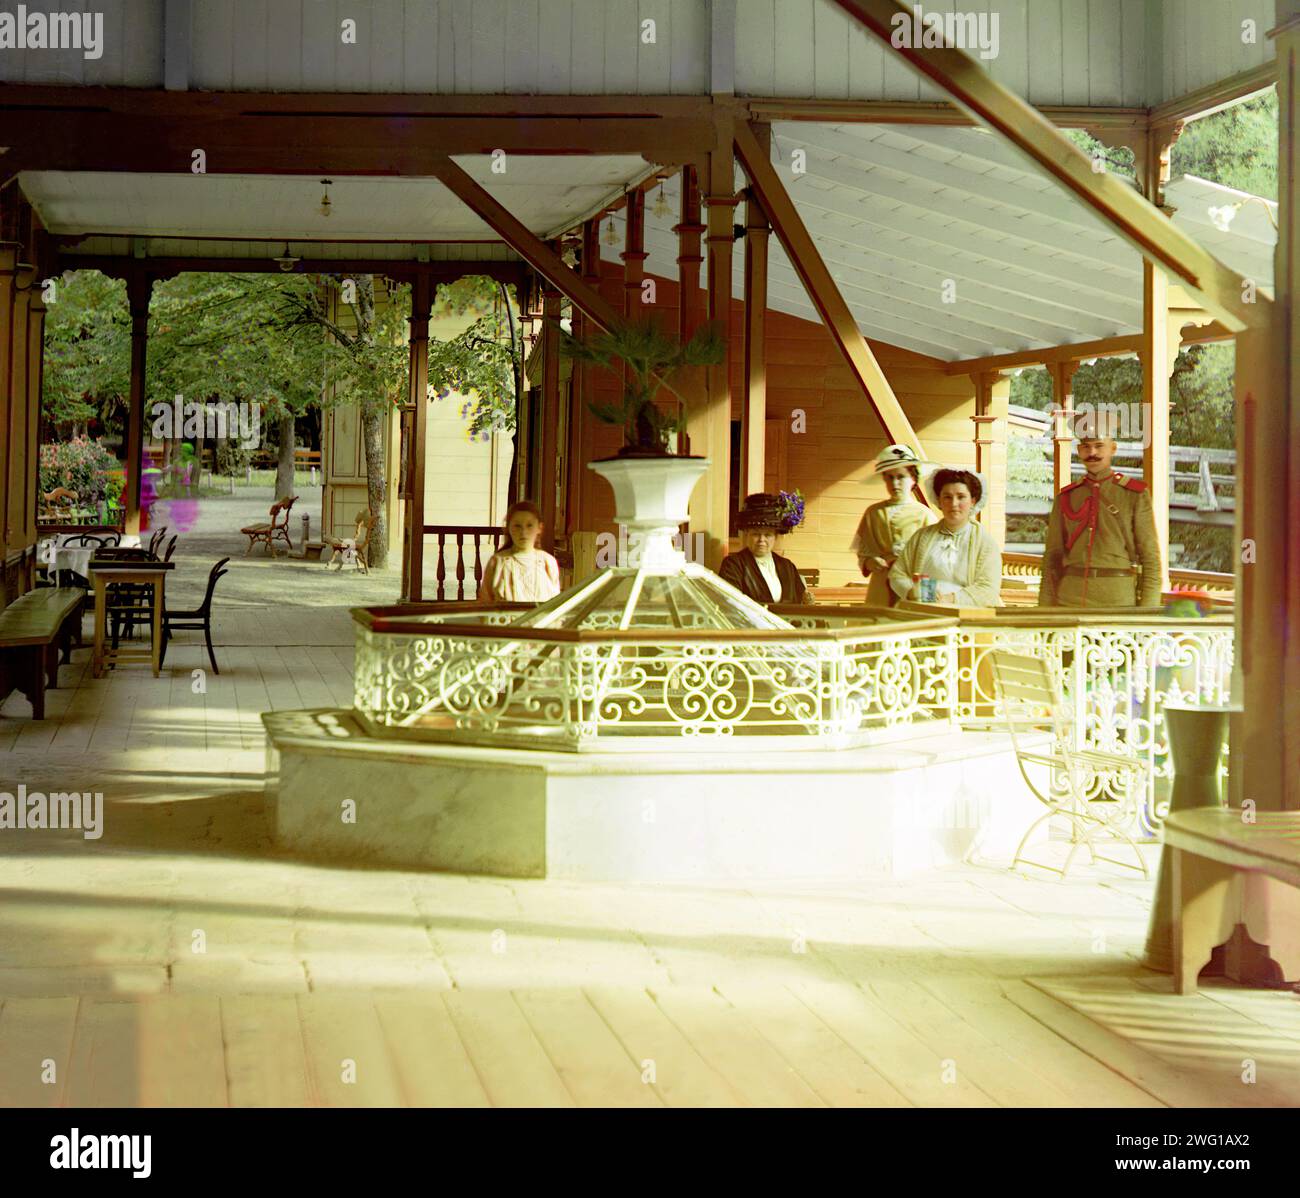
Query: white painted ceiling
{"points": [[943, 241], [545, 192]]}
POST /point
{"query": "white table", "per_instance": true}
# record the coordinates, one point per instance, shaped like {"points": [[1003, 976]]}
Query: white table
{"points": [[58, 554]]}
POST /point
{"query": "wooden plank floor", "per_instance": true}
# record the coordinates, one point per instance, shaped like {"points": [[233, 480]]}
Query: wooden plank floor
{"points": [[180, 961]]}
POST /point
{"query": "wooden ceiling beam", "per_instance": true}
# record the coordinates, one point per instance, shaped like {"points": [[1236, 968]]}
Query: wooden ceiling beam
{"points": [[526, 244], [314, 145], [1104, 347], [1134, 218], [119, 265], [211, 104], [930, 112]]}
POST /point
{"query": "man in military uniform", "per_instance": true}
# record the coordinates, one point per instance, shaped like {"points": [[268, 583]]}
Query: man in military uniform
{"points": [[1099, 527]]}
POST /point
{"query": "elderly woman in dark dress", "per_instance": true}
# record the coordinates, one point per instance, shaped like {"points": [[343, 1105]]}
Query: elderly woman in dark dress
{"points": [[758, 570]]}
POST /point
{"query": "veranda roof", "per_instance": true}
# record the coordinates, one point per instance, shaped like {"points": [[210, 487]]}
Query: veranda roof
{"points": [[941, 238]]}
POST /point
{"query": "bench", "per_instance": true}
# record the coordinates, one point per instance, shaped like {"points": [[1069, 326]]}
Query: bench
{"points": [[277, 528], [1211, 848], [33, 629]]}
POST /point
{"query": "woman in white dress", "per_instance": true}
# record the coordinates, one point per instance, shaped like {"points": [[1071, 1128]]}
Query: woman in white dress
{"points": [[523, 573], [962, 559]]}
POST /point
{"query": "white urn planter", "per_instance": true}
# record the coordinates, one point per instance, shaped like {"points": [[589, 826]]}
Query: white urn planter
{"points": [[652, 499]]}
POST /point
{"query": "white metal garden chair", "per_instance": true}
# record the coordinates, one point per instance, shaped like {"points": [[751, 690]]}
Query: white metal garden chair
{"points": [[1031, 701]]}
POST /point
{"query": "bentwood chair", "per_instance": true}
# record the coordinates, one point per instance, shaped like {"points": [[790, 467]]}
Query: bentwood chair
{"points": [[1031, 702], [86, 540], [198, 619], [356, 550]]}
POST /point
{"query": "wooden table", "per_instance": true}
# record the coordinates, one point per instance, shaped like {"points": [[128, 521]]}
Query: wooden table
{"points": [[1223, 868], [103, 572]]}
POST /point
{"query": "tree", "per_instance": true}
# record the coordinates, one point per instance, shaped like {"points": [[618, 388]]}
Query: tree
{"points": [[225, 338], [87, 353], [367, 363], [484, 362], [1236, 147]]}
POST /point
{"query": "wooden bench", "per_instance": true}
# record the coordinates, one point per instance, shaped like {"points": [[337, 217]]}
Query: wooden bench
{"points": [[1212, 853], [33, 629], [277, 529]]}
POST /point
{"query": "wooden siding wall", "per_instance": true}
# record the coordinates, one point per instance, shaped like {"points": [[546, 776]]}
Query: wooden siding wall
{"points": [[1102, 52], [1201, 42], [831, 460], [1049, 51]]}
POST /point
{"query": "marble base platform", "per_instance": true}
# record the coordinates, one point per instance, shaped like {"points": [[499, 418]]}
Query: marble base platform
{"points": [[642, 818]]}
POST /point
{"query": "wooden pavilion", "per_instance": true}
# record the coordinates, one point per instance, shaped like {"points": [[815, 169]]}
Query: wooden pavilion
{"points": [[913, 222]]}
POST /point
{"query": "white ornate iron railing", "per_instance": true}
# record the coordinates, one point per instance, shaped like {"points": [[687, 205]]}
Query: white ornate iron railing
{"points": [[842, 676], [443, 677]]}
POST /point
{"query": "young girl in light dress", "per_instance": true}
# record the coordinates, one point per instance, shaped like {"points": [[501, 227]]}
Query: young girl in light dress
{"points": [[523, 573]]}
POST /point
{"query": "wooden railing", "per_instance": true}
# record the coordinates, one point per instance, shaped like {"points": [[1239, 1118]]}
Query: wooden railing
{"points": [[1030, 565], [457, 535]]}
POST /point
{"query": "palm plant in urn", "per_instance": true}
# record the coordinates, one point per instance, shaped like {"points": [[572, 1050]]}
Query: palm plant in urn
{"points": [[653, 359]]}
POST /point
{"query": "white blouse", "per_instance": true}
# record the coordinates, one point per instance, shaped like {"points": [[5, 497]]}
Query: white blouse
{"points": [[767, 568]]}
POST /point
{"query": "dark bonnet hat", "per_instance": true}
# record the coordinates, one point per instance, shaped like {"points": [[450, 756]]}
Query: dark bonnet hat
{"points": [[761, 510]]}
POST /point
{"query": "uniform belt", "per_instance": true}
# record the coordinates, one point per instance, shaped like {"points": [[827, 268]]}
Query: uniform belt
{"points": [[1099, 572]]}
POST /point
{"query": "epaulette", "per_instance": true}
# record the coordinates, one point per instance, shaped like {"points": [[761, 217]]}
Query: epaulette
{"points": [[1131, 484]]}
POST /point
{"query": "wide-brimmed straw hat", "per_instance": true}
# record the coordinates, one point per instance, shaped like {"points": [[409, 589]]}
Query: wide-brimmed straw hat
{"points": [[894, 456], [933, 495]]}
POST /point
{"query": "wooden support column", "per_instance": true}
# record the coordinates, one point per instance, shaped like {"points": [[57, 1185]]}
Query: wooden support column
{"points": [[139, 288], [990, 421], [418, 400], [582, 428], [21, 415], [753, 408], [549, 411], [8, 413], [634, 254], [1265, 754], [1265, 749], [35, 382], [1160, 339], [1157, 365], [1062, 422], [709, 424], [689, 255], [690, 230]]}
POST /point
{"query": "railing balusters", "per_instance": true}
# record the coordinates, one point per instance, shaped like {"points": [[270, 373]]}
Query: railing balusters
{"points": [[476, 533]]}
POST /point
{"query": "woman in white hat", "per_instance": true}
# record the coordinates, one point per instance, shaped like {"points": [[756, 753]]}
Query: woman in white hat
{"points": [[887, 526], [963, 561]]}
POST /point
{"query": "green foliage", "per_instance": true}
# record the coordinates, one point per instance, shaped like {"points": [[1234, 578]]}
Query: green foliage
{"points": [[1234, 148], [1032, 388], [87, 350], [1118, 160], [482, 363], [226, 338], [653, 358]]}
